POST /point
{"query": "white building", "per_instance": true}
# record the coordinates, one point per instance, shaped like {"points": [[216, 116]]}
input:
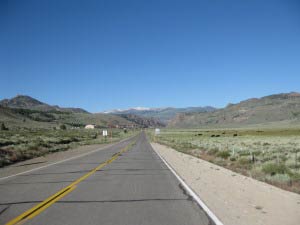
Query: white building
{"points": [[90, 126]]}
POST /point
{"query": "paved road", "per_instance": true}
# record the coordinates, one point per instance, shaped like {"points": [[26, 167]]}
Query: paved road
{"points": [[136, 188]]}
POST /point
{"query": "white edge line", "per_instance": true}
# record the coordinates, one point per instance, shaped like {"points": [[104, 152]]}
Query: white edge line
{"points": [[192, 193], [65, 160]]}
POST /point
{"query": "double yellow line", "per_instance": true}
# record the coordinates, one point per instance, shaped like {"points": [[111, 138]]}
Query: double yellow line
{"points": [[37, 209]]}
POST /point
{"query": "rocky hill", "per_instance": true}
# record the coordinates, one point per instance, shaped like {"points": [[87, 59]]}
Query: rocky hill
{"points": [[27, 112], [143, 121], [162, 114], [271, 109], [27, 102]]}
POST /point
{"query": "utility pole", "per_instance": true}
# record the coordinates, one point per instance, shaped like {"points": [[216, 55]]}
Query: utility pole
{"points": [[296, 158]]}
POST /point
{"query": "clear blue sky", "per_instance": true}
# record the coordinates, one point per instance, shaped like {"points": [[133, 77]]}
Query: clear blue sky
{"points": [[102, 55]]}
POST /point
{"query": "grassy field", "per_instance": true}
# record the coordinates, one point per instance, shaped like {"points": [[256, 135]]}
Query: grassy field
{"points": [[18, 145], [269, 155]]}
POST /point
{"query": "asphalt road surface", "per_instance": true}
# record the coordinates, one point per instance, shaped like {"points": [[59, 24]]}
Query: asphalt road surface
{"points": [[133, 188]]}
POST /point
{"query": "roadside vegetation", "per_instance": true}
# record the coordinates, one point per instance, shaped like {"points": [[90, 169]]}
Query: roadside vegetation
{"points": [[21, 144], [268, 155]]}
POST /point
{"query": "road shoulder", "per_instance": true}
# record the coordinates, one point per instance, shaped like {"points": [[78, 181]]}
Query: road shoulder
{"points": [[48, 159], [235, 199]]}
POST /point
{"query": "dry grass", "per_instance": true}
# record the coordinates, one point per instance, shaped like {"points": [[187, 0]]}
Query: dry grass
{"points": [[18, 145], [271, 155]]}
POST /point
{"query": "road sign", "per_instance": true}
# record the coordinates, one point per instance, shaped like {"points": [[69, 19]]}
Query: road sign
{"points": [[157, 131], [104, 133]]}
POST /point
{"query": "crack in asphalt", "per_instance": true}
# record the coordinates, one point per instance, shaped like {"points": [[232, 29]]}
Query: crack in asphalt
{"points": [[5, 208], [28, 164]]}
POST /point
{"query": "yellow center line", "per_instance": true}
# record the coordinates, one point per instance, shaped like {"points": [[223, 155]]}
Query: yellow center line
{"points": [[37, 209]]}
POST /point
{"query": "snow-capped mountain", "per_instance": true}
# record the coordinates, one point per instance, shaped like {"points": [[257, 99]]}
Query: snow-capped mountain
{"points": [[138, 108], [164, 114]]}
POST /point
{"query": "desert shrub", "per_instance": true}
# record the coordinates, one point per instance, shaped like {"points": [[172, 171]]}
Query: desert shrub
{"points": [[295, 176], [67, 140], [223, 154], [244, 153], [283, 158], [59, 148], [256, 153], [279, 178], [274, 168], [257, 173], [220, 162], [244, 161], [252, 149], [4, 142], [63, 127], [93, 136], [292, 164], [187, 145], [18, 145], [33, 146], [212, 151], [3, 127]]}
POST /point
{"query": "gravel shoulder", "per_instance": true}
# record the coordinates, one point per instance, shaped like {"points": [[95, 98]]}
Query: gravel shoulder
{"points": [[234, 198]]}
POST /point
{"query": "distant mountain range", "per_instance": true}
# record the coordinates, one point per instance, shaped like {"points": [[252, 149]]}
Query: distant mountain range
{"points": [[162, 114], [27, 112], [269, 110], [143, 121], [278, 110]]}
